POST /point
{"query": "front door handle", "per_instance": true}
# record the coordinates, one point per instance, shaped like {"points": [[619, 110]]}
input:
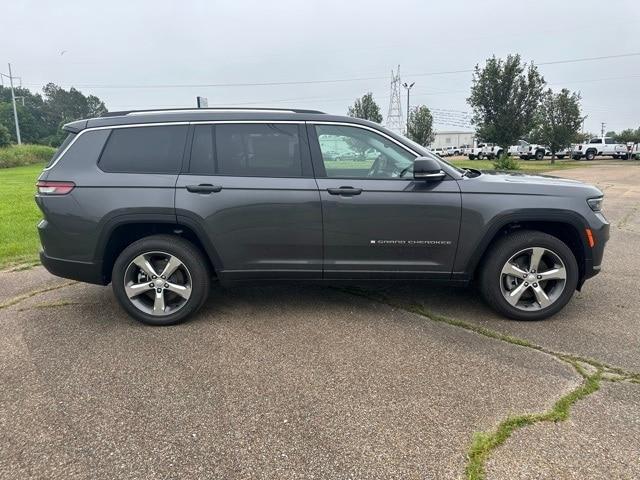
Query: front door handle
{"points": [[204, 188], [345, 191]]}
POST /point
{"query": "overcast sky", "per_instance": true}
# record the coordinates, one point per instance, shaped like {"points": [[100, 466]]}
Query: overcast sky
{"points": [[140, 54]]}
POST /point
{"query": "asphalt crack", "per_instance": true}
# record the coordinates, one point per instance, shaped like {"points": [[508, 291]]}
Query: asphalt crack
{"points": [[33, 293], [483, 444]]}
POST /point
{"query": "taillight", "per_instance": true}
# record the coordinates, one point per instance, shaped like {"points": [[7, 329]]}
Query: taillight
{"points": [[54, 188]]}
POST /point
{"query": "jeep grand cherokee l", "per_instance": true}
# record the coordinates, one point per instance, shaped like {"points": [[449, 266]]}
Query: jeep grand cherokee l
{"points": [[158, 203]]}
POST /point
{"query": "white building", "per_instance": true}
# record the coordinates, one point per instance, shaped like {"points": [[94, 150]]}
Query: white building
{"points": [[453, 138]]}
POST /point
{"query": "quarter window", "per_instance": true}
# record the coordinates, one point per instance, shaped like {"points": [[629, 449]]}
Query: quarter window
{"points": [[352, 152], [157, 149]]}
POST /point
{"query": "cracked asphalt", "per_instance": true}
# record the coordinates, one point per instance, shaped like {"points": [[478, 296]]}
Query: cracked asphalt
{"points": [[302, 381]]}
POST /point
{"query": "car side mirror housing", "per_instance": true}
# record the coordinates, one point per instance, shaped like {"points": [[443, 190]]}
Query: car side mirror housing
{"points": [[425, 168]]}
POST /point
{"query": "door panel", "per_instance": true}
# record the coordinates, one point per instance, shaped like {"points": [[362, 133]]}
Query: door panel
{"points": [[260, 225], [392, 228], [378, 221]]}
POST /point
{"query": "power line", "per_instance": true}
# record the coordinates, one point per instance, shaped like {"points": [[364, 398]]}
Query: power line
{"points": [[337, 80]]}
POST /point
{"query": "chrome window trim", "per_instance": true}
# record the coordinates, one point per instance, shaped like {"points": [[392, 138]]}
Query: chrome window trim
{"points": [[217, 122]]}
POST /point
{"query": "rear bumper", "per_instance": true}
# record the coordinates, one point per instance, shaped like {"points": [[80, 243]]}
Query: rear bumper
{"points": [[81, 271]]}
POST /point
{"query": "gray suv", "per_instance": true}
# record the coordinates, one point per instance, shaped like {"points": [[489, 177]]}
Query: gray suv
{"points": [[158, 203]]}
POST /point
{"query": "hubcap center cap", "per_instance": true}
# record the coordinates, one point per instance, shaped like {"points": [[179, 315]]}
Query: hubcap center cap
{"points": [[531, 277]]}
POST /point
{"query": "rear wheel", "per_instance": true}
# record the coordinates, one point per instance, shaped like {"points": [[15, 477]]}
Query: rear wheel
{"points": [[529, 275], [161, 280], [560, 156]]}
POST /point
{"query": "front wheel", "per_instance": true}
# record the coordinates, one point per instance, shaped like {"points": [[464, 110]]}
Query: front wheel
{"points": [[529, 275], [161, 279], [539, 155], [590, 155]]}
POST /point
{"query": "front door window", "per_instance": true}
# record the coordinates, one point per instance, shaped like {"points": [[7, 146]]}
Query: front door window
{"points": [[352, 152]]}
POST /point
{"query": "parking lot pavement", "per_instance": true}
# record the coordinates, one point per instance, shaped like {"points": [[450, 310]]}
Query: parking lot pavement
{"points": [[290, 381], [269, 382]]}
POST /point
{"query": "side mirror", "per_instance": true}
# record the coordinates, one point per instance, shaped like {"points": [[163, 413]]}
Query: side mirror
{"points": [[425, 168]]}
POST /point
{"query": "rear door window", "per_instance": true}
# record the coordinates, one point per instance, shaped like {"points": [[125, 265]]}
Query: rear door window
{"points": [[248, 150], [156, 149]]}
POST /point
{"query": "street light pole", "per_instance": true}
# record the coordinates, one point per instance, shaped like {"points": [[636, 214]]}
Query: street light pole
{"points": [[15, 111], [408, 87]]}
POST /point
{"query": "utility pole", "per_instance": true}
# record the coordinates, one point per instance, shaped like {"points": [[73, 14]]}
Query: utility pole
{"points": [[408, 87], [13, 99], [602, 125]]}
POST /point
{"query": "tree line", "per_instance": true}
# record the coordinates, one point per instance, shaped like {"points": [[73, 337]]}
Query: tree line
{"points": [[510, 102], [42, 116]]}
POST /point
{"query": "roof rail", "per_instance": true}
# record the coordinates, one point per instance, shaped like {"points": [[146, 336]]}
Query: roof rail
{"points": [[217, 109]]}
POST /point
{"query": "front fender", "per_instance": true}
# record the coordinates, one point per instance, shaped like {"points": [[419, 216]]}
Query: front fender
{"points": [[472, 248]]}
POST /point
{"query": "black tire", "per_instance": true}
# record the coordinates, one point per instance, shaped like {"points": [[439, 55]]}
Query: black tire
{"points": [[503, 250], [190, 256], [560, 156], [499, 155], [590, 155], [539, 155]]}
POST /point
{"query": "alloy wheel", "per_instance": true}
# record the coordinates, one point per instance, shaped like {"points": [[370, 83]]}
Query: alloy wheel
{"points": [[157, 283], [533, 279]]}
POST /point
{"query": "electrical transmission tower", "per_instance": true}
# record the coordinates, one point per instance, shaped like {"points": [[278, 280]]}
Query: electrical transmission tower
{"points": [[395, 121]]}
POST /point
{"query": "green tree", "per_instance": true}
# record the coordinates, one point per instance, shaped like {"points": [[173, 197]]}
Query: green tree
{"points": [[5, 136], [559, 120], [41, 117], [505, 95], [366, 108], [628, 135], [31, 129], [420, 128]]}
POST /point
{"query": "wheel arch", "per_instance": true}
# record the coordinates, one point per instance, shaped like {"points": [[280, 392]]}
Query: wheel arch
{"points": [[124, 230], [567, 226]]}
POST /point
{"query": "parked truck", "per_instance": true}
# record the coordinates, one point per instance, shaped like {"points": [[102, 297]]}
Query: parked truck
{"points": [[599, 147]]}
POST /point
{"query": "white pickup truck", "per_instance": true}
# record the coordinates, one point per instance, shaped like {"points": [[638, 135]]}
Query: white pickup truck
{"points": [[532, 150], [603, 146], [474, 152], [492, 151]]}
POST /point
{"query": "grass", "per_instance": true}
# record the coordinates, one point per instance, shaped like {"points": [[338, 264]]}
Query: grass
{"points": [[526, 166], [19, 215], [19, 155]]}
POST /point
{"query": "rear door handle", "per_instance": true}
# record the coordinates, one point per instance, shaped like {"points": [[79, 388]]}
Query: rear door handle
{"points": [[346, 191], [204, 188]]}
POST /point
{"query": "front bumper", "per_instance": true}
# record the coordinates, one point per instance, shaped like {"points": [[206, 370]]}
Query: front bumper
{"points": [[601, 236]]}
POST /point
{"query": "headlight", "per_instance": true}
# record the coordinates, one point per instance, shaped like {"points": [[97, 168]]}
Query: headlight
{"points": [[595, 203]]}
